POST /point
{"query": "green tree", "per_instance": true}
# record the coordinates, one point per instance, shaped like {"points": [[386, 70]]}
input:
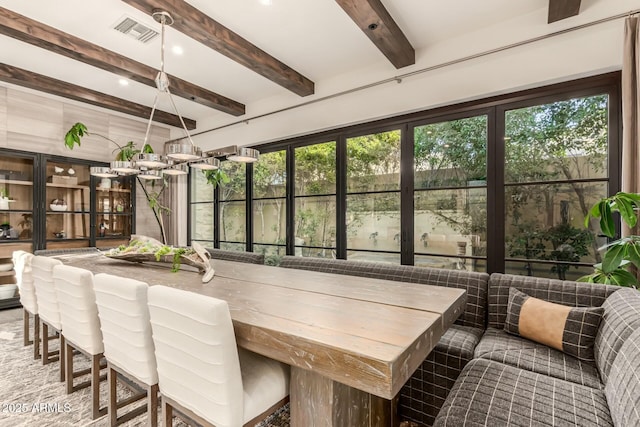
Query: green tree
{"points": [[269, 180], [316, 175]]}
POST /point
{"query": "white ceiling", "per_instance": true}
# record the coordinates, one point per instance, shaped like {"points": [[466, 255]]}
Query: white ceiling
{"points": [[314, 37]]}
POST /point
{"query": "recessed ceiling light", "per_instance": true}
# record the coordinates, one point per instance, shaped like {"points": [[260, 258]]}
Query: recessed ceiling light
{"points": [[177, 50], [266, 2], [123, 82]]}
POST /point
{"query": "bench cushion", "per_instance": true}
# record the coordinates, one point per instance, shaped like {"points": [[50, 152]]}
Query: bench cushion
{"points": [[423, 395], [490, 393], [474, 283], [499, 346], [623, 387], [621, 318]]}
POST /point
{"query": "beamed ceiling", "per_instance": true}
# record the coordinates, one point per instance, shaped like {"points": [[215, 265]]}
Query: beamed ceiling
{"points": [[237, 54]]}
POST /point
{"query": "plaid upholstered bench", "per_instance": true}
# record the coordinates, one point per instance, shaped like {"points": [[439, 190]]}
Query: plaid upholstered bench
{"points": [[237, 256], [516, 381], [423, 395]]}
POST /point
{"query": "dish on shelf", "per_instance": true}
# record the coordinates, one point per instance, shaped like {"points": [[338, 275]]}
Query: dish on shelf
{"points": [[6, 266], [7, 291], [58, 208]]}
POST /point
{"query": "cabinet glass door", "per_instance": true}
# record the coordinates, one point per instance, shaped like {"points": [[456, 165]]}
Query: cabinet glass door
{"points": [[114, 212], [16, 220], [16, 201], [67, 205]]}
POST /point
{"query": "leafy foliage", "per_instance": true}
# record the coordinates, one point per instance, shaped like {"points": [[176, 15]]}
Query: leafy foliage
{"points": [[620, 254], [125, 153], [74, 135], [216, 177]]}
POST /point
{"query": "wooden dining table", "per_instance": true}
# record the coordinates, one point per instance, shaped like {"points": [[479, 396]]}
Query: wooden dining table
{"points": [[351, 342]]}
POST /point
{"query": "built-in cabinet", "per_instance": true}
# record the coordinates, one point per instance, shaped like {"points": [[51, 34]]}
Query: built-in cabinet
{"points": [[51, 202]]}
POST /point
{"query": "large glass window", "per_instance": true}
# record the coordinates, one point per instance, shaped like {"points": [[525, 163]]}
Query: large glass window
{"points": [[270, 206], [450, 198], [233, 207], [202, 219], [556, 168], [373, 197], [498, 185], [315, 200]]}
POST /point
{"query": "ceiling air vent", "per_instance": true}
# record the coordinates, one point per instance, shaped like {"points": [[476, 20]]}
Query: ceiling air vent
{"points": [[135, 29]]}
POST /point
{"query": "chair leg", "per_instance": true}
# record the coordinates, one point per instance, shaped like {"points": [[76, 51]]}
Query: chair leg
{"points": [[167, 413], [36, 336], [112, 409], [45, 343], [152, 405], [25, 328], [95, 387], [61, 357], [68, 361]]}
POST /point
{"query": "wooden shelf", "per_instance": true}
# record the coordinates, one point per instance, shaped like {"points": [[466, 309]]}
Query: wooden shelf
{"points": [[113, 190], [16, 182], [78, 187], [68, 212], [10, 303]]}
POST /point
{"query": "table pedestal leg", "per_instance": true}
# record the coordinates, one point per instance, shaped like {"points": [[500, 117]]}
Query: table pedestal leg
{"points": [[317, 401]]}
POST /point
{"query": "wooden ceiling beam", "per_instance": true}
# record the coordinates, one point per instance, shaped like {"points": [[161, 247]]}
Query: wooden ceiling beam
{"points": [[376, 22], [31, 80], [562, 9], [200, 27], [38, 34]]}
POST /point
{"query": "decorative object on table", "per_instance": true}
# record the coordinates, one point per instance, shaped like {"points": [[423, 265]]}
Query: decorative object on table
{"points": [[58, 170], [60, 234], [147, 249], [71, 171], [58, 205]]}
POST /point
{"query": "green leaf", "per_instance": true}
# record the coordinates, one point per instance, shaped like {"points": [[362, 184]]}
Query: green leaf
{"points": [[623, 278], [633, 253], [73, 135], [612, 258], [625, 207], [147, 149], [606, 219]]}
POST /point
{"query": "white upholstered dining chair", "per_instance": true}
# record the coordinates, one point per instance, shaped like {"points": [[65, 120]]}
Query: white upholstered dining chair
{"points": [[201, 371], [48, 310], [81, 329], [24, 280], [128, 346]]}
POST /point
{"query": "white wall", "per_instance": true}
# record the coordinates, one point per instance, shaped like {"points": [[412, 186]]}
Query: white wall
{"points": [[580, 53]]}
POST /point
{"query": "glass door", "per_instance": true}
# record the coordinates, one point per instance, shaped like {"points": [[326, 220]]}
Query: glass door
{"points": [[114, 211], [16, 219], [67, 205]]}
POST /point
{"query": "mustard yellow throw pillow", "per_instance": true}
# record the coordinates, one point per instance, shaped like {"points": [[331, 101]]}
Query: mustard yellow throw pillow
{"points": [[569, 329]]}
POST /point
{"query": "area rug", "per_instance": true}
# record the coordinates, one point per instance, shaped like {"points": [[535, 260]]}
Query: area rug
{"points": [[32, 395]]}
